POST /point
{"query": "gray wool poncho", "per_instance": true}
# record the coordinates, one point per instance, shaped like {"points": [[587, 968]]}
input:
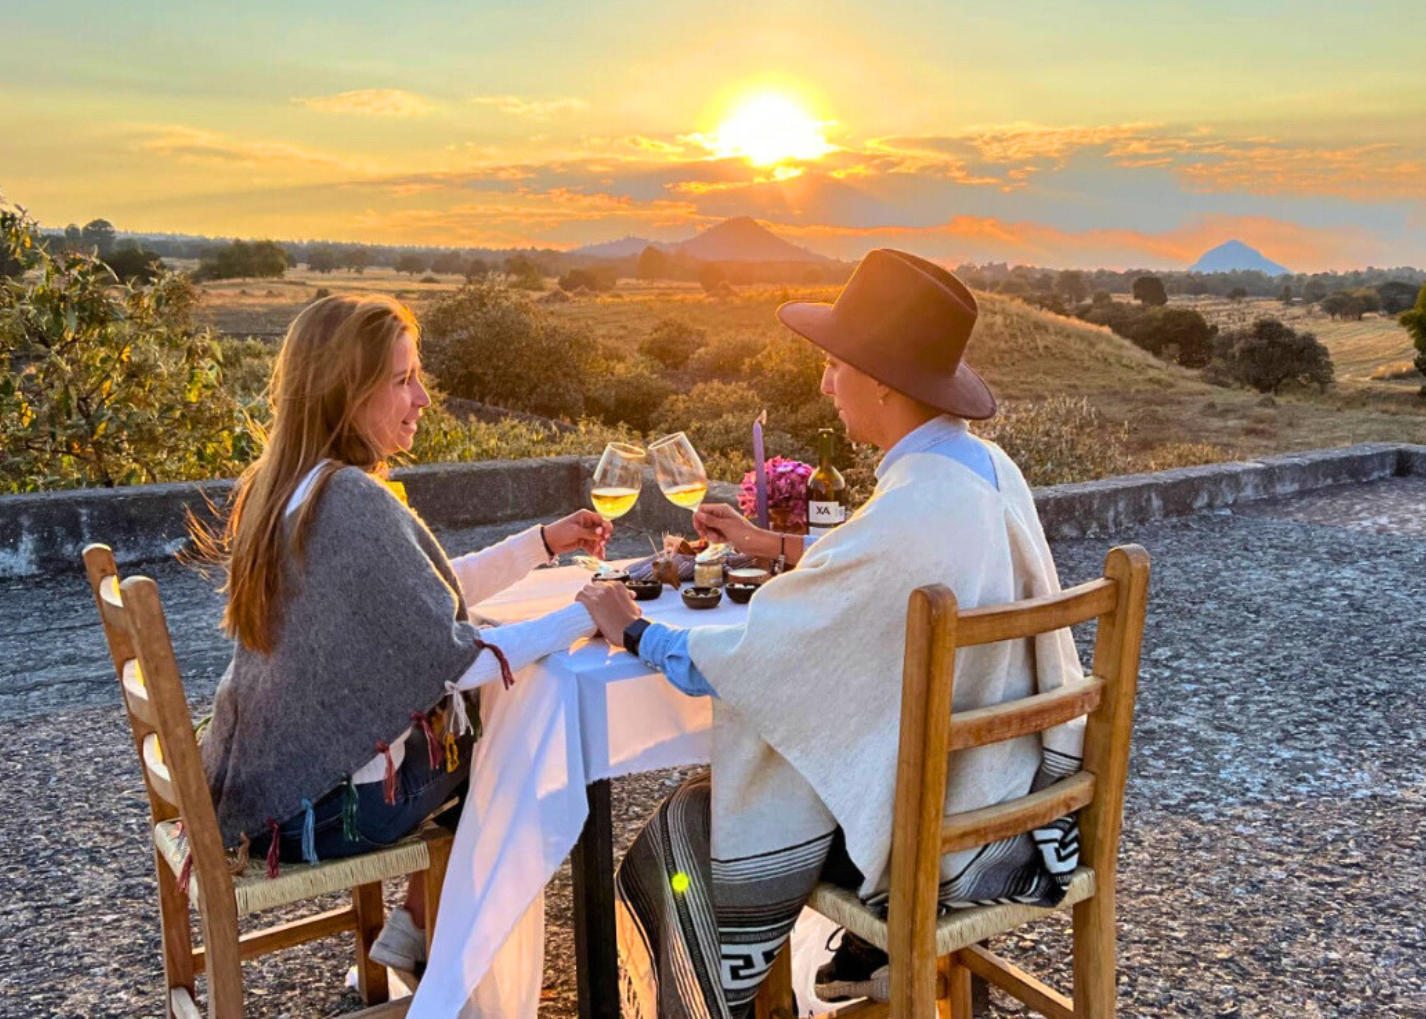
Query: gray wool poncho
{"points": [[370, 625]]}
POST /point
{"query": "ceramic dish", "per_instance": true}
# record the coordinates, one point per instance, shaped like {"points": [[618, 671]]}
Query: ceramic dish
{"points": [[644, 590], [741, 593], [748, 575], [702, 597], [613, 576]]}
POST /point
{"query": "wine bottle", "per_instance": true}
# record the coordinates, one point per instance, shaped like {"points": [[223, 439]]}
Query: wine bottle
{"points": [[826, 490]]}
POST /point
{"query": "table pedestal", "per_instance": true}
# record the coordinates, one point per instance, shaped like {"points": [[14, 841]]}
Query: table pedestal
{"points": [[596, 950]]}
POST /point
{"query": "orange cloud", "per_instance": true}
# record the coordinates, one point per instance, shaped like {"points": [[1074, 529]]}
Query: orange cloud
{"points": [[983, 238], [195, 145], [370, 102]]}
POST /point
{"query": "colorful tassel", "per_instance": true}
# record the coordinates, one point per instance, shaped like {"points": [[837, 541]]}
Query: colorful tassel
{"points": [[388, 784], [309, 833], [433, 747], [506, 676], [239, 864], [452, 753], [349, 812], [273, 860]]}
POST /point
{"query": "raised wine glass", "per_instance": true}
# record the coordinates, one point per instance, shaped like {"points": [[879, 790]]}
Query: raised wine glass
{"points": [[679, 470], [617, 480]]}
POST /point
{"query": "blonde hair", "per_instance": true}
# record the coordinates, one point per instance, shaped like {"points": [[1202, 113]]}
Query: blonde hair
{"points": [[335, 356]]}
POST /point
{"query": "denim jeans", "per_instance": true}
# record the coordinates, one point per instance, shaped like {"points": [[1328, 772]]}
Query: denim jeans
{"points": [[421, 792]]}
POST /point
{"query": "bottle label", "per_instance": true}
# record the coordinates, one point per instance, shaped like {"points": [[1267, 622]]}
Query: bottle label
{"points": [[823, 516]]}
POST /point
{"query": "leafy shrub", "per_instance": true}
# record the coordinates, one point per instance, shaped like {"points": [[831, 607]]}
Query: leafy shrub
{"points": [[1059, 440], [1351, 304], [787, 372], [134, 265], [1174, 334], [1267, 355], [1150, 290], [672, 342], [484, 343], [1414, 321], [598, 278], [108, 385], [628, 392], [445, 438], [725, 358], [241, 260]]}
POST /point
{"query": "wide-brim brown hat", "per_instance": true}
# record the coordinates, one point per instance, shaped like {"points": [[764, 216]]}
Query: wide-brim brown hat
{"points": [[905, 322]]}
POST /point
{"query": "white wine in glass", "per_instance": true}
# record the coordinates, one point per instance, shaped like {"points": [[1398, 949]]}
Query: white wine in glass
{"points": [[679, 469], [617, 480]]}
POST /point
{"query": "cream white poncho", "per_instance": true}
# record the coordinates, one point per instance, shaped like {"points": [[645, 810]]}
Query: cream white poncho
{"points": [[809, 687]]}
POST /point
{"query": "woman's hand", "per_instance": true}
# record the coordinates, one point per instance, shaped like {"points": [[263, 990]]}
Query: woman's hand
{"points": [[584, 530], [612, 608], [719, 522]]}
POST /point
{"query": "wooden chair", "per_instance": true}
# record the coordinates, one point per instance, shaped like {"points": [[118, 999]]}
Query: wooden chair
{"points": [[189, 850], [933, 958]]}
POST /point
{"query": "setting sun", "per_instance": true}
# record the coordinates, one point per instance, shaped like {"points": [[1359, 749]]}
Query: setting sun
{"points": [[770, 128]]}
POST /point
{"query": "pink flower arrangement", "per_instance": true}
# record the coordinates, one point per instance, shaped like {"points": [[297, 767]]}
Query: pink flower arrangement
{"points": [[786, 488]]}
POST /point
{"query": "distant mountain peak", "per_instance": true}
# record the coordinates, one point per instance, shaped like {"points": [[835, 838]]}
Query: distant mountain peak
{"points": [[1235, 256], [744, 239]]}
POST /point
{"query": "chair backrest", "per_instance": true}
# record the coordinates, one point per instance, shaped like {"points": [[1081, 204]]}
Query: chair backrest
{"points": [[153, 695], [930, 732]]}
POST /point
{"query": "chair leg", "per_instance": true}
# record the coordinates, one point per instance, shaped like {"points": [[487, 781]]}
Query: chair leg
{"points": [[438, 848], [774, 1000], [371, 914], [956, 980], [222, 960], [1094, 956], [175, 932]]}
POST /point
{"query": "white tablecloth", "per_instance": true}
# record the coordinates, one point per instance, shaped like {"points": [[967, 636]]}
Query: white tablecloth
{"points": [[576, 717]]}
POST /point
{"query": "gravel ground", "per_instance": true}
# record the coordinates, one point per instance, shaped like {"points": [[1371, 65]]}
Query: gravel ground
{"points": [[1273, 857]]}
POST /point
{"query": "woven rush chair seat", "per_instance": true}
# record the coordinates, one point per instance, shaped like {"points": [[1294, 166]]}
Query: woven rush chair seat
{"points": [[954, 931], [255, 891]]}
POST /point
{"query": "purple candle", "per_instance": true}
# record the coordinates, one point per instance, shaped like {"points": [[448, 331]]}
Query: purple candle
{"points": [[760, 468]]}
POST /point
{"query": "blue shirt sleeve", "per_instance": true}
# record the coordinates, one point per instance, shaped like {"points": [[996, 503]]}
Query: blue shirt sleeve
{"points": [[665, 648]]}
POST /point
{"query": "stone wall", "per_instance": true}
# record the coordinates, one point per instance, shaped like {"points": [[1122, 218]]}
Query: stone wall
{"points": [[46, 532]]}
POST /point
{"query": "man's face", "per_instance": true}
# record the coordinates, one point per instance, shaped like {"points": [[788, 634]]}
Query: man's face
{"points": [[855, 395]]}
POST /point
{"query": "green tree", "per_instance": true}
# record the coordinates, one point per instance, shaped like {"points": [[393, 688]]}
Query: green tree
{"points": [[476, 268], [1269, 354], [524, 273], [134, 264], [1415, 323], [1174, 334], [1396, 296], [599, 278], [98, 234], [1072, 286], [107, 385], [672, 342], [356, 259], [411, 263], [242, 260], [321, 258], [485, 343], [451, 263], [1150, 290], [1313, 291], [711, 276], [1286, 296], [73, 237], [628, 392], [653, 264]]}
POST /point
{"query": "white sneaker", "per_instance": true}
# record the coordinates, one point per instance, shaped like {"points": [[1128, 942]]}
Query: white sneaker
{"points": [[401, 944]]}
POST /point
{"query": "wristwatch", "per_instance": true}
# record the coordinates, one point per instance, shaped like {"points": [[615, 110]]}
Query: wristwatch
{"points": [[633, 633]]}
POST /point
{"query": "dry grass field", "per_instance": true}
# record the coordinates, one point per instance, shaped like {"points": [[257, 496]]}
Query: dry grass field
{"points": [[1360, 350], [1026, 355]]}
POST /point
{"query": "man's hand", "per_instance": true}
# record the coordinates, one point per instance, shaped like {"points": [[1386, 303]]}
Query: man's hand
{"points": [[584, 530], [719, 522], [612, 608]]}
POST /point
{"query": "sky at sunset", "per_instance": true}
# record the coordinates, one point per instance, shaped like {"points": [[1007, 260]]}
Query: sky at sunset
{"points": [[1093, 133]]}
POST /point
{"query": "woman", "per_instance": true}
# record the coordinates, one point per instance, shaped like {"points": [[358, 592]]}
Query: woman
{"points": [[349, 712], [807, 708]]}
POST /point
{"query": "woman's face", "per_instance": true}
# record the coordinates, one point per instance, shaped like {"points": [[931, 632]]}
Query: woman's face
{"points": [[857, 397], [391, 414]]}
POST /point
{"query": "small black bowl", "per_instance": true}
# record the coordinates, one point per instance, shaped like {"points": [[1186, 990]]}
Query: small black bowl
{"points": [[644, 590], [612, 577], [741, 593], [702, 597]]}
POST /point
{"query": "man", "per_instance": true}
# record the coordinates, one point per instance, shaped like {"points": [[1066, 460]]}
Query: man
{"points": [[807, 708]]}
